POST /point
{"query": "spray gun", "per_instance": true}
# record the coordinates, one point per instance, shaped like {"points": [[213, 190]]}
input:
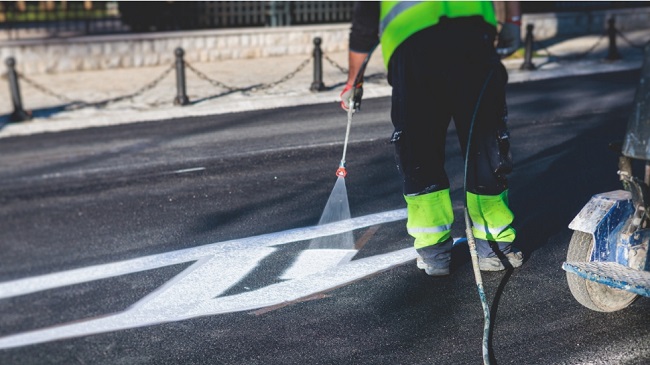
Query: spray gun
{"points": [[354, 105]]}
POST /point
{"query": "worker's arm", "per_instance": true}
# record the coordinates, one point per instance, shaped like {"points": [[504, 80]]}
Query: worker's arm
{"points": [[510, 34], [364, 35], [355, 60]]}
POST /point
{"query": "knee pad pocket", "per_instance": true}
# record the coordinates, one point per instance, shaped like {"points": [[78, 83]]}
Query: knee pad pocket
{"points": [[498, 148]]}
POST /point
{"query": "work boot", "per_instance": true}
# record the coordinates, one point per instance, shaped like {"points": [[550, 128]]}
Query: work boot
{"points": [[490, 260], [434, 260]]}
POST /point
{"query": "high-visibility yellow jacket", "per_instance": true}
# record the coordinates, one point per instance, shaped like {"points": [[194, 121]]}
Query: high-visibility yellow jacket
{"points": [[398, 20]]}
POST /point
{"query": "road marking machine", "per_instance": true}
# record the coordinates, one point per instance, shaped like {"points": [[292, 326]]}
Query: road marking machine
{"points": [[607, 262]]}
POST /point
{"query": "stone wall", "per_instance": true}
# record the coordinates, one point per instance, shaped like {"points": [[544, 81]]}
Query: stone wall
{"points": [[37, 56], [153, 49]]}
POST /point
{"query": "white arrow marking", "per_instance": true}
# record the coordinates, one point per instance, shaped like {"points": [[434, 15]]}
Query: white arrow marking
{"points": [[17, 287], [192, 293]]}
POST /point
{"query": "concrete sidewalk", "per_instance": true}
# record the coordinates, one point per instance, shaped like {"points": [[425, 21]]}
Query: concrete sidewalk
{"points": [[208, 98]]}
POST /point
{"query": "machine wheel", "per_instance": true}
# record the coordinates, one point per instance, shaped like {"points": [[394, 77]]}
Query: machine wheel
{"points": [[593, 295]]}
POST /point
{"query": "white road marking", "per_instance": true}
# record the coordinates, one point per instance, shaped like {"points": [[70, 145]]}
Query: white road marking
{"points": [[77, 276], [314, 260], [194, 169], [217, 267]]}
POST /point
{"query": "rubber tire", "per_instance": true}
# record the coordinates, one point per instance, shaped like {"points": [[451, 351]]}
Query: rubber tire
{"points": [[592, 295]]}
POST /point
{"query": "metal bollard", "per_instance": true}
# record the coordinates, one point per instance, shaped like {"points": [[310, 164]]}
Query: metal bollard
{"points": [[19, 114], [181, 96], [612, 53], [528, 49], [318, 85]]}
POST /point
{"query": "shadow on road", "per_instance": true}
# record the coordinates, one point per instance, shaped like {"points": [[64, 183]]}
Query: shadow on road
{"points": [[551, 187]]}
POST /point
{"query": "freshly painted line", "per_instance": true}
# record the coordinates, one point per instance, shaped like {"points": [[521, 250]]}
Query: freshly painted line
{"points": [[217, 267], [331, 278], [81, 275], [196, 290], [315, 260], [204, 280], [157, 310]]}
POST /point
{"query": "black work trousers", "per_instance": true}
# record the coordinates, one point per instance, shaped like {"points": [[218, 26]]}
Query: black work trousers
{"points": [[437, 75]]}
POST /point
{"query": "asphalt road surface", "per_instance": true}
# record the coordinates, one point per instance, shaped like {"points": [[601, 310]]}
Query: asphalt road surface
{"points": [[187, 242]]}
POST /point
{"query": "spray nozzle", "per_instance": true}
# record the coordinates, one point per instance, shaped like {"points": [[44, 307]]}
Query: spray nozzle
{"points": [[341, 172]]}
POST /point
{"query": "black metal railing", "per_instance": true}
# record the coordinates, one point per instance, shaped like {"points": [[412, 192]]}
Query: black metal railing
{"points": [[56, 19], [232, 14], [52, 19]]}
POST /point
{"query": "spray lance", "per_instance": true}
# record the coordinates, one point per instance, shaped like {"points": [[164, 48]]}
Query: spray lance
{"points": [[354, 104], [337, 207]]}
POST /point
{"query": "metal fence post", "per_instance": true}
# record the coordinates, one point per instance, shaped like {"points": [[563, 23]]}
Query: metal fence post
{"points": [[181, 96], [19, 114], [612, 54], [317, 84], [528, 49]]}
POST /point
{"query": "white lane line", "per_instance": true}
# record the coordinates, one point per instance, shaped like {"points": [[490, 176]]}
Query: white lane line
{"points": [[160, 311], [24, 286], [194, 169], [217, 267]]}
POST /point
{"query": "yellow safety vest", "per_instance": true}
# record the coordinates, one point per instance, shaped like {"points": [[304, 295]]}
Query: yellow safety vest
{"points": [[398, 20]]}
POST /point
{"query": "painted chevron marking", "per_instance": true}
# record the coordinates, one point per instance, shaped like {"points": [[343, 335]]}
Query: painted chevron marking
{"points": [[216, 267]]}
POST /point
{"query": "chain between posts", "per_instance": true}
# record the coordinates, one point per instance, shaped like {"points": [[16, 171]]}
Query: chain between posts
{"points": [[335, 64], [579, 56], [76, 104], [205, 77], [592, 48], [229, 88], [141, 91], [286, 78], [79, 104], [43, 89], [630, 43]]}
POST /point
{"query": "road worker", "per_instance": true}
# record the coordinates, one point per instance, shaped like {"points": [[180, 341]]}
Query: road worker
{"points": [[443, 64]]}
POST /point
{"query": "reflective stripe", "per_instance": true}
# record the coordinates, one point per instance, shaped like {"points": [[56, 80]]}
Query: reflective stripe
{"points": [[493, 231], [438, 229], [394, 12]]}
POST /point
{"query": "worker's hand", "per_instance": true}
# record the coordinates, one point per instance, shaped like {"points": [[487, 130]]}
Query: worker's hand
{"points": [[509, 39], [351, 94]]}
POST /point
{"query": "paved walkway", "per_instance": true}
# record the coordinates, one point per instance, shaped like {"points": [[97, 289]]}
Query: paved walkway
{"points": [[208, 98]]}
